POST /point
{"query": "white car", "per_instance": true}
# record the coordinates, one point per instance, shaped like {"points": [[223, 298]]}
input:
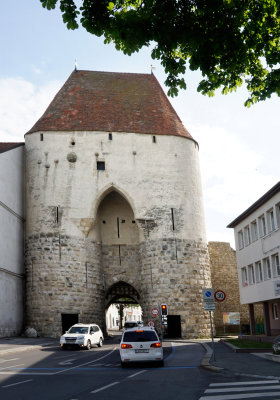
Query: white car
{"points": [[140, 344], [82, 335]]}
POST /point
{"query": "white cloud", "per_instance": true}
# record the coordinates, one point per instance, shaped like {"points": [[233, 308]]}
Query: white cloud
{"points": [[232, 177], [21, 104]]}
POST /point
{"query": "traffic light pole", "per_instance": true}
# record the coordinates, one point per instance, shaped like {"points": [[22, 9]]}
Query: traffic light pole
{"points": [[160, 320]]}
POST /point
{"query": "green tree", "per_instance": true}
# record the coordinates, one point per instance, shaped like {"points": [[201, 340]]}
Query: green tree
{"points": [[230, 41]]}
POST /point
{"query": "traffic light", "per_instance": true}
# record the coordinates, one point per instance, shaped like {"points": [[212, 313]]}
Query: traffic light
{"points": [[164, 309]]}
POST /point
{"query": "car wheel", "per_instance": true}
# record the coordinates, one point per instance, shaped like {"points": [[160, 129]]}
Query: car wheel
{"points": [[100, 344], [63, 347], [123, 365], [160, 363], [88, 345]]}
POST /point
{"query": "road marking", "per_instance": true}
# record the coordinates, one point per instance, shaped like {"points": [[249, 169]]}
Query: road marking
{"points": [[137, 373], [105, 387], [66, 362], [87, 363], [242, 389], [18, 383], [12, 359], [11, 366], [240, 396], [243, 383]]}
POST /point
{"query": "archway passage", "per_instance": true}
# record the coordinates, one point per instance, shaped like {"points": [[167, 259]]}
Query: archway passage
{"points": [[122, 305]]}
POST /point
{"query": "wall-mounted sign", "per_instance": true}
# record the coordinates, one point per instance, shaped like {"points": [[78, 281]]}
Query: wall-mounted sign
{"points": [[231, 318], [219, 295]]}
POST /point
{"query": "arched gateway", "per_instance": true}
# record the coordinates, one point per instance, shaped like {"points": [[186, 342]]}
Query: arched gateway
{"points": [[113, 202]]}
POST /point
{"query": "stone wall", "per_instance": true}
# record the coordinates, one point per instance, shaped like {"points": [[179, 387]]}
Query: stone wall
{"points": [[225, 277], [174, 272], [63, 275]]}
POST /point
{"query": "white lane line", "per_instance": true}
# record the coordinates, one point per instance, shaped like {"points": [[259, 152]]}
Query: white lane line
{"points": [[242, 389], [244, 383], [239, 396], [104, 387], [11, 366], [81, 365], [18, 383], [137, 373], [11, 359]]}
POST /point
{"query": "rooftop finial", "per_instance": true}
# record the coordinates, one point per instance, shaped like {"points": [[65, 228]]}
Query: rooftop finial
{"points": [[76, 65], [152, 68]]}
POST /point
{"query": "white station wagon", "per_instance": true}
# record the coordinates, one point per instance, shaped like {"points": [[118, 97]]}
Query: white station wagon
{"points": [[82, 335], [140, 344]]}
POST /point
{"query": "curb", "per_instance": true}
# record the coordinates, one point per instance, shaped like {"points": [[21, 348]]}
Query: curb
{"points": [[239, 350], [205, 363]]}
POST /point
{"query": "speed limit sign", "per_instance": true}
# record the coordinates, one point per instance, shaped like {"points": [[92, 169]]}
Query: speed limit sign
{"points": [[219, 295]]}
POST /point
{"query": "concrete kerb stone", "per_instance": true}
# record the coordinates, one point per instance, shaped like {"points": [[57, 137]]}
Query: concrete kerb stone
{"points": [[205, 362]]}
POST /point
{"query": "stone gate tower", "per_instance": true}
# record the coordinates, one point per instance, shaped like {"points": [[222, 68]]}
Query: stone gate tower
{"points": [[113, 205]]}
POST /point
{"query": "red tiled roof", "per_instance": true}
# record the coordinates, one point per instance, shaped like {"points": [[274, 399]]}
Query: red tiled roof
{"points": [[5, 146], [111, 102]]}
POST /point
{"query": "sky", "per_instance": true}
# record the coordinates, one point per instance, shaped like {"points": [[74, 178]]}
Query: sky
{"points": [[238, 147]]}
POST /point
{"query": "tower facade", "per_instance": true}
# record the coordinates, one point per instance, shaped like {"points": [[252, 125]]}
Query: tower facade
{"points": [[113, 206]]}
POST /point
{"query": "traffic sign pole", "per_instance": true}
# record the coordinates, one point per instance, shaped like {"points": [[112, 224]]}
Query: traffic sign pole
{"points": [[212, 336]]}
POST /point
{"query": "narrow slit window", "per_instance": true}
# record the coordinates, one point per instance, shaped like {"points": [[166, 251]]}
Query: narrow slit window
{"points": [[110, 136], [41, 137], [172, 217], [100, 165], [56, 215], [154, 139]]}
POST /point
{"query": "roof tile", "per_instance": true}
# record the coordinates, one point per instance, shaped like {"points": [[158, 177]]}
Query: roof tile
{"points": [[111, 102]]}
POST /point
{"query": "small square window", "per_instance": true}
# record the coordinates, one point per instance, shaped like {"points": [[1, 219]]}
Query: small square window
{"points": [[100, 165]]}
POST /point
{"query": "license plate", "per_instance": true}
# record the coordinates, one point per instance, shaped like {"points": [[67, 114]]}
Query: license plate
{"points": [[142, 351]]}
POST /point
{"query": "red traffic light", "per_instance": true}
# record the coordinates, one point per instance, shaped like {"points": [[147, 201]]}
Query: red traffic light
{"points": [[163, 309]]}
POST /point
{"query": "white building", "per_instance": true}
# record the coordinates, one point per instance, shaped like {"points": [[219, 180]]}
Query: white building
{"points": [[257, 238], [11, 238]]}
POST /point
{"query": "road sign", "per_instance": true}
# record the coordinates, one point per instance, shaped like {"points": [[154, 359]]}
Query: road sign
{"points": [[154, 311], [208, 299], [219, 295], [151, 323]]}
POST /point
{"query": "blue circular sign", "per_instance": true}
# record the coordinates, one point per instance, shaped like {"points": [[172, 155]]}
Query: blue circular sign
{"points": [[208, 293]]}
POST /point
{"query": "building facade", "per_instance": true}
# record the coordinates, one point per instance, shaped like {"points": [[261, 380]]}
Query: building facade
{"points": [[11, 238], [257, 238], [113, 206]]}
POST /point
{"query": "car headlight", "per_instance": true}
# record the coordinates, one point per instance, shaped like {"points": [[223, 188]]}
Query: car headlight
{"points": [[80, 338], [62, 339]]}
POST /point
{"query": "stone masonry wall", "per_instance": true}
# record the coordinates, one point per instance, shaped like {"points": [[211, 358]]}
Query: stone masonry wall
{"points": [[63, 275], [174, 272], [225, 277]]}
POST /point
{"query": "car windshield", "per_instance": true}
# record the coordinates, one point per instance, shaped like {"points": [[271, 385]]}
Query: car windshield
{"points": [[140, 336], [78, 329]]}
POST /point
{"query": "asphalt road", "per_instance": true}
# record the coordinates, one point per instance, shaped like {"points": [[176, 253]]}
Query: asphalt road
{"points": [[52, 374]]}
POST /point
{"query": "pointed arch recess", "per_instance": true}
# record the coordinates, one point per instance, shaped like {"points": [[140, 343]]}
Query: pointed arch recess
{"points": [[104, 192]]}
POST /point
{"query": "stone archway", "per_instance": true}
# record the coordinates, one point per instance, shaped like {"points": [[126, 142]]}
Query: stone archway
{"points": [[122, 294]]}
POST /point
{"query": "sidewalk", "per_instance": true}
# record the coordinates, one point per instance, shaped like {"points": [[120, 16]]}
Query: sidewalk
{"points": [[226, 360]]}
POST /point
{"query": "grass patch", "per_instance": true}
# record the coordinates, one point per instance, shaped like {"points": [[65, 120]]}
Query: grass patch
{"points": [[249, 344]]}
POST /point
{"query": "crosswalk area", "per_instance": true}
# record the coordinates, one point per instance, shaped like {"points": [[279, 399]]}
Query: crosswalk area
{"points": [[262, 389]]}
